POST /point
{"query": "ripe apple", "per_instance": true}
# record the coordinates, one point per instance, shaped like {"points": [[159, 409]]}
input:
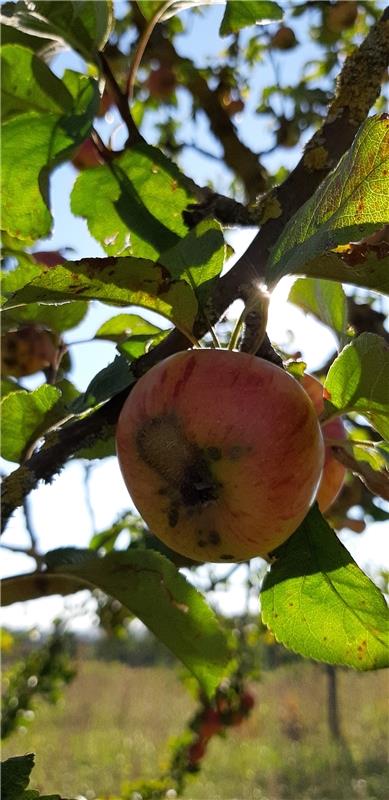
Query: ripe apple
{"points": [[221, 452], [333, 471], [27, 350]]}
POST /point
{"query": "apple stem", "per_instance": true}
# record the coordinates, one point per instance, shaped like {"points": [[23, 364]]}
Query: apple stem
{"points": [[236, 330], [254, 317]]}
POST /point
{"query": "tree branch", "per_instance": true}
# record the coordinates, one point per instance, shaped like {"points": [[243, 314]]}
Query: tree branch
{"points": [[238, 157], [366, 65]]}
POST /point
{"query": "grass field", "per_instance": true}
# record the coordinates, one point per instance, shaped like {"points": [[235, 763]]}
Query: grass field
{"points": [[114, 722]]}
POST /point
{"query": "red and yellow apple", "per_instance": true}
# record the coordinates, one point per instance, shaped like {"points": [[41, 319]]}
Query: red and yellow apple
{"points": [[221, 452], [333, 471]]}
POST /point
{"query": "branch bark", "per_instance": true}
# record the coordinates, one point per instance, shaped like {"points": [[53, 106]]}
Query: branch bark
{"points": [[357, 88]]}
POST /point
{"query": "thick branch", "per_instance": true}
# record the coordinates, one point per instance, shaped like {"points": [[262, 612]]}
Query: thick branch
{"points": [[332, 140]]}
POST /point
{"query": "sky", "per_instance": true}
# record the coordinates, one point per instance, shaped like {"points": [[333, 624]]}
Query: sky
{"points": [[59, 512]]}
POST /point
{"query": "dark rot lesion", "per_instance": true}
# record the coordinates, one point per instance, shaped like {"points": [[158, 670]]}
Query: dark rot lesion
{"points": [[186, 474], [207, 538], [182, 465]]}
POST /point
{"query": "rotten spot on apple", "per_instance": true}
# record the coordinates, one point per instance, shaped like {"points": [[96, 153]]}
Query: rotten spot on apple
{"points": [[221, 452]]}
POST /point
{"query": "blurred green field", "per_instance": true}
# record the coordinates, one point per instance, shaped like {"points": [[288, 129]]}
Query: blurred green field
{"points": [[114, 722]]}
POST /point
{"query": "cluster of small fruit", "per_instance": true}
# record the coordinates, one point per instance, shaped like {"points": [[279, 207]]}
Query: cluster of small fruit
{"points": [[232, 704]]}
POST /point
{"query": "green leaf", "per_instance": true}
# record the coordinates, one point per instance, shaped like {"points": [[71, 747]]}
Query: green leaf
{"points": [[137, 345], [134, 206], [122, 326], [27, 415], [326, 300], [117, 281], [8, 386], [29, 85], [318, 603], [151, 587], [376, 454], [104, 447], [248, 12], [132, 333], [199, 257], [57, 318], [150, 7], [84, 25], [24, 416], [350, 203], [20, 588], [32, 144], [15, 279], [15, 775], [364, 264], [358, 380], [109, 381]]}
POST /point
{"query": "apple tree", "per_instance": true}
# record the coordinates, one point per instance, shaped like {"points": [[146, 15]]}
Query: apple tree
{"points": [[128, 114]]}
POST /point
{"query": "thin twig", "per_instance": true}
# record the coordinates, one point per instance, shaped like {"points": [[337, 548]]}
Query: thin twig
{"points": [[142, 44], [134, 136]]}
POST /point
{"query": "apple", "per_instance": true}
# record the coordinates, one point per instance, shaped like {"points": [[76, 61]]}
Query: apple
{"points": [[333, 471], [196, 752], [247, 701], [221, 453], [50, 258], [161, 82], [341, 15], [231, 103], [210, 724], [283, 39], [27, 350]]}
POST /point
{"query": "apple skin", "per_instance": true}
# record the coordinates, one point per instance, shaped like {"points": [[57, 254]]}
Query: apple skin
{"points": [[333, 471], [221, 453]]}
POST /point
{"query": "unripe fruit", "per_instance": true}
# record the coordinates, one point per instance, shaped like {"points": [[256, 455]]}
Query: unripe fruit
{"points": [[210, 724], [247, 701], [221, 452], [333, 471], [233, 105], [196, 752], [161, 82], [50, 258], [87, 156], [342, 15], [283, 39], [27, 350]]}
